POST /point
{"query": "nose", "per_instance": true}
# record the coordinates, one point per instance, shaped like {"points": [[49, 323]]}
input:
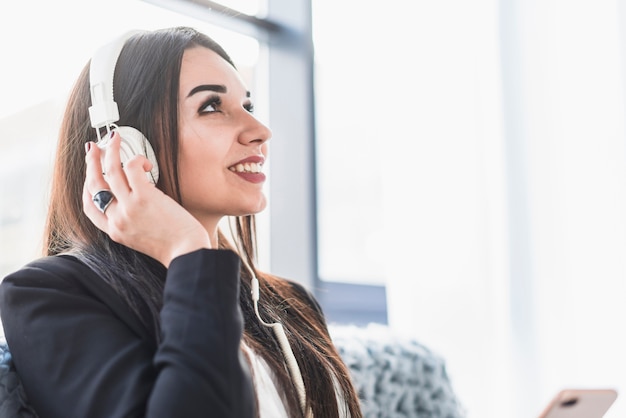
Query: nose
{"points": [[254, 130]]}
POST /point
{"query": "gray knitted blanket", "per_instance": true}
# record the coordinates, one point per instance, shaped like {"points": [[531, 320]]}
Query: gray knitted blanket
{"points": [[395, 376], [13, 403]]}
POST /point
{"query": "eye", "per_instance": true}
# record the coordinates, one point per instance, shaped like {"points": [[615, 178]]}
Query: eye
{"points": [[211, 105], [249, 107]]}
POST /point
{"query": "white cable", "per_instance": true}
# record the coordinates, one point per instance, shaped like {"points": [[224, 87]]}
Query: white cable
{"points": [[279, 333], [292, 363]]}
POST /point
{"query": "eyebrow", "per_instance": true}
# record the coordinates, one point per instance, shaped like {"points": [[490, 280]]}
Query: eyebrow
{"points": [[218, 88]]}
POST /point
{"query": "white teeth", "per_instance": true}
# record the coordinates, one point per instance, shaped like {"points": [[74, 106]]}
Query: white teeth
{"points": [[246, 168]]}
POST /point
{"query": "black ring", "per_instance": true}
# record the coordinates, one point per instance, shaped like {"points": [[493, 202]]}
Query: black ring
{"points": [[102, 199]]}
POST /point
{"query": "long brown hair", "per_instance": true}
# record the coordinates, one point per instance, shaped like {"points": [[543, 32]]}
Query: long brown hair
{"points": [[146, 89]]}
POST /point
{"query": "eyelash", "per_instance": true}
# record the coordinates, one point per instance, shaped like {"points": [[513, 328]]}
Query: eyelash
{"points": [[216, 103], [213, 101]]}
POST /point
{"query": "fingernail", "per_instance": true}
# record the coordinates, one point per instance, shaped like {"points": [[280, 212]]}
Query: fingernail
{"points": [[111, 134], [87, 146]]}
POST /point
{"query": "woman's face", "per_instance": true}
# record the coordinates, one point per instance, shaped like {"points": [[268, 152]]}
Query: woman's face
{"points": [[222, 145]]}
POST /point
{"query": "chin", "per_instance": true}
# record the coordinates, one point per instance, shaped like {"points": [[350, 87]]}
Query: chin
{"points": [[254, 209], [260, 208]]}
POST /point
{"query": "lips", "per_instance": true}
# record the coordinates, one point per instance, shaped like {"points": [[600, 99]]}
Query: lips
{"points": [[250, 169]]}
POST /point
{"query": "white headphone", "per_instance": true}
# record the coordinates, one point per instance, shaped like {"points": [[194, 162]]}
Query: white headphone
{"points": [[104, 111]]}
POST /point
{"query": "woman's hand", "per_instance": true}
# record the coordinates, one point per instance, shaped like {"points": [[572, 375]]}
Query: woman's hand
{"points": [[140, 216]]}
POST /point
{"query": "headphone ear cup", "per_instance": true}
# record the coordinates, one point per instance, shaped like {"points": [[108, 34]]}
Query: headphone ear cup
{"points": [[133, 142]]}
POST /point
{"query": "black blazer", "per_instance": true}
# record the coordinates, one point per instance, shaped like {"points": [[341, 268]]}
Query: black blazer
{"points": [[82, 353]]}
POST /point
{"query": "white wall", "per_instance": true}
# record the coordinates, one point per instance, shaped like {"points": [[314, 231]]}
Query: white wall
{"points": [[504, 192]]}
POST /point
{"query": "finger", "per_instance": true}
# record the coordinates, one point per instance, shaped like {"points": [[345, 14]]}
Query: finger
{"points": [[98, 218], [94, 183], [94, 180], [115, 175], [136, 169]]}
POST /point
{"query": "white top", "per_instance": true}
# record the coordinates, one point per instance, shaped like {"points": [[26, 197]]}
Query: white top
{"points": [[270, 403]]}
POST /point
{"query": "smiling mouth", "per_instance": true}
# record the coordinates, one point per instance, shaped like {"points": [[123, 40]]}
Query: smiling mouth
{"points": [[246, 168]]}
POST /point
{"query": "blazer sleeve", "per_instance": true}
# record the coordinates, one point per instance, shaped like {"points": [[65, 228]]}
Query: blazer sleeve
{"points": [[78, 357]]}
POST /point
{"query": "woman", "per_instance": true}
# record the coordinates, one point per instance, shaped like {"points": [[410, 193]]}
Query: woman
{"points": [[141, 306]]}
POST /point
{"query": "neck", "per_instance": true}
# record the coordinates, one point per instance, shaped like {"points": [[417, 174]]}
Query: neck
{"points": [[211, 226]]}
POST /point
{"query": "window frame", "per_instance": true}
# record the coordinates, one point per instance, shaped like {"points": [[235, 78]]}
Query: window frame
{"points": [[286, 31]]}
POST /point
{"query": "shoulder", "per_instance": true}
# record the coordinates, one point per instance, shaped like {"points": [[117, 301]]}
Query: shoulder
{"points": [[39, 290], [60, 286], [60, 271], [62, 274], [306, 295], [44, 281], [286, 288]]}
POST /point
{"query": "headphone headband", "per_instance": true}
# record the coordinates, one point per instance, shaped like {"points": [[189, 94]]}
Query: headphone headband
{"points": [[103, 110]]}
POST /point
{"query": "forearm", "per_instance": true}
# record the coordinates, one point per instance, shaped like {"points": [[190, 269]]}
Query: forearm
{"points": [[202, 326], [78, 356]]}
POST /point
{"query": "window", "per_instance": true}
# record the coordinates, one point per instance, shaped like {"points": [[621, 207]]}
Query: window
{"points": [[349, 215]]}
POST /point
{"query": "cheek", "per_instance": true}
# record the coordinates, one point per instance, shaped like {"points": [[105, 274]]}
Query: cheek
{"points": [[203, 174], [199, 169], [201, 186], [201, 155]]}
